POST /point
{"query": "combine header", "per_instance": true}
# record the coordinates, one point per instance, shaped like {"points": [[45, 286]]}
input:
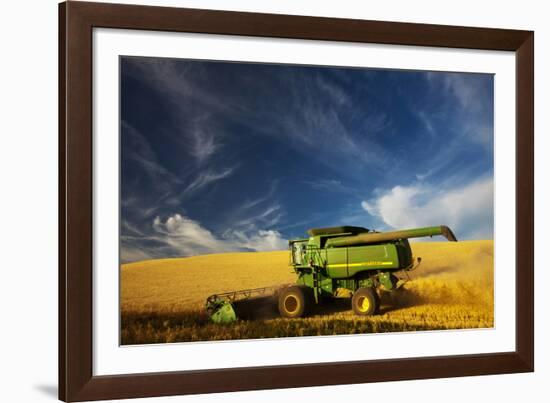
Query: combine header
{"points": [[336, 262], [221, 307]]}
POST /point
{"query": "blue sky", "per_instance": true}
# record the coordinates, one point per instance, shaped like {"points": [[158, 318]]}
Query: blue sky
{"points": [[220, 156]]}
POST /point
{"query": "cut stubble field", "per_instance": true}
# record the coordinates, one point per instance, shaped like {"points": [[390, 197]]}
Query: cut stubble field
{"points": [[162, 300]]}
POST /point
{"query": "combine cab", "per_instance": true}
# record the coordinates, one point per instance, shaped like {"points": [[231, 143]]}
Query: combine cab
{"points": [[336, 262]]}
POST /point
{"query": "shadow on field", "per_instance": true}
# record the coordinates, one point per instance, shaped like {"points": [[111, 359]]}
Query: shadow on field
{"points": [[261, 308], [266, 308], [331, 307]]}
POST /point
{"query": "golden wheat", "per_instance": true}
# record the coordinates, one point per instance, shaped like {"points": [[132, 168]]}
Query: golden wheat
{"points": [[162, 300]]}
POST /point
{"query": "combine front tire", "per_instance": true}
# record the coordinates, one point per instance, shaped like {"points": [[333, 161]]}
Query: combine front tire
{"points": [[294, 301], [365, 301]]}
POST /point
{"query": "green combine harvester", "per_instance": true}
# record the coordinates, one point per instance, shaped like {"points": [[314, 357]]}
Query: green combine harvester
{"points": [[336, 262]]}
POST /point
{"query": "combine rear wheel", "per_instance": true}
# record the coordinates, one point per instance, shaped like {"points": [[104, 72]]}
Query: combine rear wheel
{"points": [[294, 301], [365, 301]]}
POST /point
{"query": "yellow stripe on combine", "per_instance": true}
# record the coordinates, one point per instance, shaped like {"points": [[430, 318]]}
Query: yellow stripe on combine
{"points": [[373, 263]]}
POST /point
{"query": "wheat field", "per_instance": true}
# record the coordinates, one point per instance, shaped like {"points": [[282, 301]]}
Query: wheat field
{"points": [[163, 300]]}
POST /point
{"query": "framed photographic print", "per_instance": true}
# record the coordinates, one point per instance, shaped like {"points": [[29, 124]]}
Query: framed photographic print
{"points": [[253, 201]]}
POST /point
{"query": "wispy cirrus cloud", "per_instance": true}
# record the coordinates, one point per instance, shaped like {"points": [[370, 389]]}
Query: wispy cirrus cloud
{"points": [[205, 143], [256, 213], [333, 90], [312, 124], [314, 116], [138, 149], [171, 188], [454, 122], [321, 127], [203, 180], [467, 101], [180, 84], [206, 178], [267, 217], [330, 185]]}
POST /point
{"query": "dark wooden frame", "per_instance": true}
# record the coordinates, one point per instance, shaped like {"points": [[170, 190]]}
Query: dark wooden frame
{"points": [[76, 22]]}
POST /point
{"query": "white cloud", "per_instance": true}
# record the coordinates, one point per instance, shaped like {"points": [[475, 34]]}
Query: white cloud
{"points": [[468, 210], [267, 240], [261, 240], [188, 237]]}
